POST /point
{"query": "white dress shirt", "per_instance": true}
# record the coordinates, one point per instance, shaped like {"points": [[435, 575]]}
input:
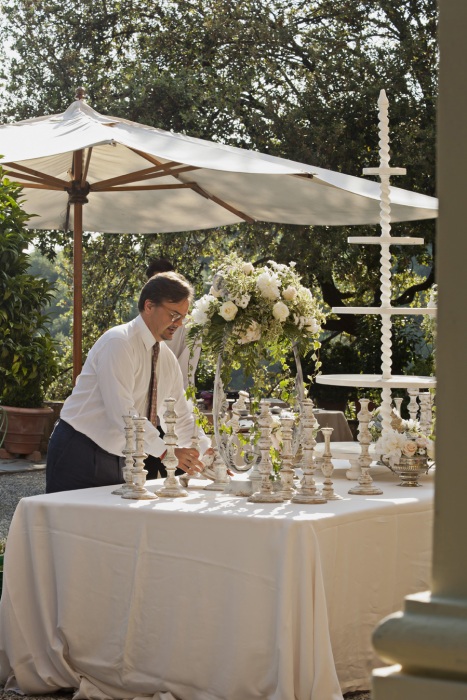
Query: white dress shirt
{"points": [[180, 349], [115, 381]]}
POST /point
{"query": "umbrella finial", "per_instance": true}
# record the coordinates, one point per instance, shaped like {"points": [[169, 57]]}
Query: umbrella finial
{"points": [[80, 93]]}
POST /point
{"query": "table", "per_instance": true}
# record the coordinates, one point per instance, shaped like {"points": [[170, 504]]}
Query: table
{"points": [[208, 597], [336, 420]]}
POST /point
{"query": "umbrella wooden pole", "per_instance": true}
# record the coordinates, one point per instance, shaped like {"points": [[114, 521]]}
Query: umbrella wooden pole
{"points": [[77, 269]]}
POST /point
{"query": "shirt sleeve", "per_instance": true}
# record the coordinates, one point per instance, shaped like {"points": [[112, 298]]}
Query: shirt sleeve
{"points": [[115, 375]]}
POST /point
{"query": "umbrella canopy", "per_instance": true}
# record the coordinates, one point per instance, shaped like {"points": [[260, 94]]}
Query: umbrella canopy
{"points": [[133, 178]]}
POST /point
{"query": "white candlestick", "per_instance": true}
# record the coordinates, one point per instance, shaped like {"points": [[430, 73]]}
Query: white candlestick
{"points": [[171, 487]]}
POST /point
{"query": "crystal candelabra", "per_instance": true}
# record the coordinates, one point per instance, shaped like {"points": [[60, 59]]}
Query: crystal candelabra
{"points": [[139, 473], [171, 487], [265, 493], [128, 451], [308, 493], [365, 486], [327, 467]]}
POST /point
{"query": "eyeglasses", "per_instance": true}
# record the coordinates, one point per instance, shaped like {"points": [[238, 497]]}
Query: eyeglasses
{"points": [[175, 316]]}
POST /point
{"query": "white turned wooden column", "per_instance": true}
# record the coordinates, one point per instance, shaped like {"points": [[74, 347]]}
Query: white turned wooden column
{"points": [[429, 639]]}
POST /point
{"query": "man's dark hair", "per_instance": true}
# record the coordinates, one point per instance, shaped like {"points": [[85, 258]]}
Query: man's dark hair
{"points": [[158, 265], [166, 286]]}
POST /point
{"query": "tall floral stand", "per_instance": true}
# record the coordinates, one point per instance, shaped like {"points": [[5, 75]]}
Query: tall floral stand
{"points": [[386, 381]]}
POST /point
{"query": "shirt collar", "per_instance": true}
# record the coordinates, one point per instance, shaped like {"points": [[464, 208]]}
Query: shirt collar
{"points": [[146, 335]]}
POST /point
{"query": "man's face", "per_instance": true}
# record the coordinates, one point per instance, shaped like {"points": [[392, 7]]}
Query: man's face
{"points": [[164, 319]]}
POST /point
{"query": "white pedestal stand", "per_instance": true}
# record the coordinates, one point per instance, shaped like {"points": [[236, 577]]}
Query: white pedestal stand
{"points": [[308, 493], [327, 467], [365, 485], [265, 493], [139, 491], [171, 487], [128, 452]]}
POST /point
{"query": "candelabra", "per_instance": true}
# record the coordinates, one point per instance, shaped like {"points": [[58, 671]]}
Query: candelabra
{"points": [[327, 467], [308, 493], [139, 473], [265, 493], [128, 451], [365, 486], [413, 403], [425, 412], [171, 487], [221, 478], [287, 488]]}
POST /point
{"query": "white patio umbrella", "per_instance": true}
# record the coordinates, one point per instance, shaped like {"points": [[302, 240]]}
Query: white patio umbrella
{"points": [[133, 178]]}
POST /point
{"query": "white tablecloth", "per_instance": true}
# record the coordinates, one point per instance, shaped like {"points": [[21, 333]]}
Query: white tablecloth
{"points": [[208, 597]]}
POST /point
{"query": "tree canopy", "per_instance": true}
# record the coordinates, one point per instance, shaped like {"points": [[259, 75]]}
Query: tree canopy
{"points": [[298, 79]]}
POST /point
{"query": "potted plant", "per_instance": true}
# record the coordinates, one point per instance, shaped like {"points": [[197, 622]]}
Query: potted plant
{"points": [[28, 361]]}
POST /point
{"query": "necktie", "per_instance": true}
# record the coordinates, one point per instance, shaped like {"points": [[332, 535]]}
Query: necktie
{"points": [[152, 409]]}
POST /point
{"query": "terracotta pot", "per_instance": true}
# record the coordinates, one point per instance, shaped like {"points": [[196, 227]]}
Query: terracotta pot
{"points": [[25, 429]]}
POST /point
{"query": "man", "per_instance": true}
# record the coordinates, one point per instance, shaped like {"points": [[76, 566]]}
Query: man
{"points": [[187, 360], [86, 446]]}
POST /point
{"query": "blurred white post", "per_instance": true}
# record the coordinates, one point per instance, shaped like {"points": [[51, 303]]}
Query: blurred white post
{"points": [[428, 640]]}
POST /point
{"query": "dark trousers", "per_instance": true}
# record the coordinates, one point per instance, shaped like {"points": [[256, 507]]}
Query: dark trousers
{"points": [[74, 461]]}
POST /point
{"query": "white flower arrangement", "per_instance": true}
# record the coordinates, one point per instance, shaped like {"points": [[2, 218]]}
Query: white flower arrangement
{"points": [[253, 314], [411, 442]]}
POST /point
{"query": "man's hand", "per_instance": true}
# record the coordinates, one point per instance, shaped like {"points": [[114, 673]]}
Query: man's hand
{"points": [[188, 460]]}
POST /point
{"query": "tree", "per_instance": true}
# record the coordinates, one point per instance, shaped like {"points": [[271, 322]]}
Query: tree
{"points": [[27, 352], [295, 79]]}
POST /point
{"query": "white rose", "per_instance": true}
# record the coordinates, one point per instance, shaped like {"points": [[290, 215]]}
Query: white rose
{"points": [[410, 448], [289, 293], [199, 317], [252, 333], [268, 285], [228, 310], [204, 303], [311, 325], [242, 301], [247, 268], [280, 311]]}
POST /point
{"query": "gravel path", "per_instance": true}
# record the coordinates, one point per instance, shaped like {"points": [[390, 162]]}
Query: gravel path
{"points": [[13, 487]]}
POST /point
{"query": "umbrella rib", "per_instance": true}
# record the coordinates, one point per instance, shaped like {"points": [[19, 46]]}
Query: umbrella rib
{"points": [[86, 167], [165, 166], [199, 190], [134, 188], [35, 176], [139, 175]]}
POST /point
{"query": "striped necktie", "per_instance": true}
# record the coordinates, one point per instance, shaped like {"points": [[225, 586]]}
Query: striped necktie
{"points": [[152, 409]]}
